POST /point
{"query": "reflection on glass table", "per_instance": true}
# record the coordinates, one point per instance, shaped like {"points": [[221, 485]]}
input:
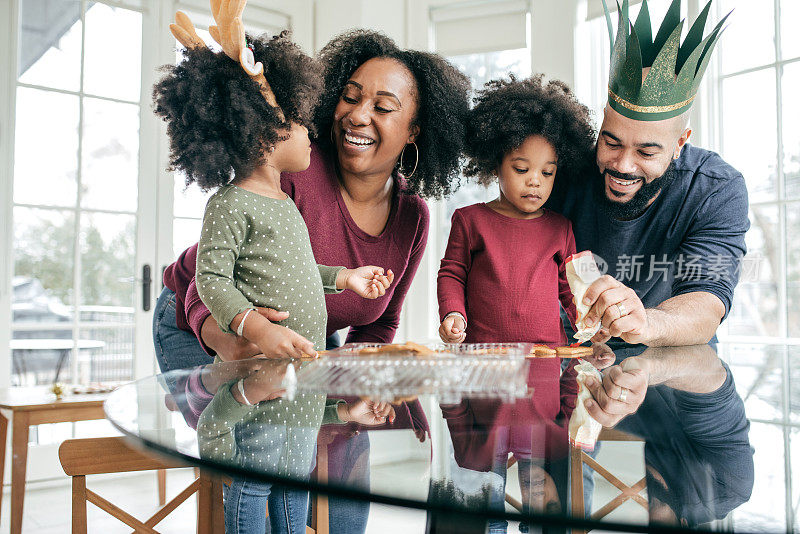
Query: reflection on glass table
{"points": [[476, 460]]}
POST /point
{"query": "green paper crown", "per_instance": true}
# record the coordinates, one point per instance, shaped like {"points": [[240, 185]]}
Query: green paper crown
{"points": [[675, 69]]}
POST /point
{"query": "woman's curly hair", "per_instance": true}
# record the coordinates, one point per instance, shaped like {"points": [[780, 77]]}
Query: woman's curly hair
{"points": [[509, 111], [218, 123], [442, 93]]}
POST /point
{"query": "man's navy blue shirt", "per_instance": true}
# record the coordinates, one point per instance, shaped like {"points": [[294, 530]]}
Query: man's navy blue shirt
{"points": [[691, 238]]}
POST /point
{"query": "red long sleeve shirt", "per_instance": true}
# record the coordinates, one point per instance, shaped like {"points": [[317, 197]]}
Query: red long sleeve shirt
{"points": [[507, 276]]}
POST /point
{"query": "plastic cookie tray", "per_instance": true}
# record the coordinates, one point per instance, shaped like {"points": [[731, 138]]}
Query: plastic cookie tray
{"points": [[449, 372]]}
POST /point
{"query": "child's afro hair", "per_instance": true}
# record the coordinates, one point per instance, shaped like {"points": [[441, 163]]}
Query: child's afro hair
{"points": [[219, 124], [442, 93], [509, 111]]}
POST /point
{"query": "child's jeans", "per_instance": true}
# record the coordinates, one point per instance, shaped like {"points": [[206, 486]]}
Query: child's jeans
{"points": [[498, 494], [246, 503]]}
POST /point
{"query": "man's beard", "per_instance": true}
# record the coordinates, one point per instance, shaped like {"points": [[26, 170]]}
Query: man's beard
{"points": [[631, 209]]}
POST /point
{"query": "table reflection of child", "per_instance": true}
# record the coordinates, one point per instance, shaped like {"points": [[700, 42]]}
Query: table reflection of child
{"points": [[484, 432], [271, 435]]}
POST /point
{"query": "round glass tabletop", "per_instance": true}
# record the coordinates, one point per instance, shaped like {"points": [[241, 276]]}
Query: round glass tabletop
{"points": [[480, 439]]}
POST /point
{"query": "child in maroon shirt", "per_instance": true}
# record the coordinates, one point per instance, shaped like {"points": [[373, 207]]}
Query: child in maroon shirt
{"points": [[503, 273]]}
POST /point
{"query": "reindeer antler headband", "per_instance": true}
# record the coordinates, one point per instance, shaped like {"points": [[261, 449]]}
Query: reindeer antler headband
{"points": [[229, 33]]}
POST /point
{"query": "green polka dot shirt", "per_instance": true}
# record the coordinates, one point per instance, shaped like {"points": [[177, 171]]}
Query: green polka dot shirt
{"points": [[255, 251]]}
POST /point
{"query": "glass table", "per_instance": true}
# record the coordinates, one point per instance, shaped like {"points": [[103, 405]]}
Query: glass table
{"points": [[689, 457]]}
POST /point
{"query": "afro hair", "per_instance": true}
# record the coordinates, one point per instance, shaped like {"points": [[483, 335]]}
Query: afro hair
{"points": [[218, 123], [442, 105], [509, 111]]}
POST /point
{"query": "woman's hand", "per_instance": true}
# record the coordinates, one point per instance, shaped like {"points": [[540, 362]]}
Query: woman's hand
{"points": [[369, 281], [231, 347], [366, 412], [453, 329]]}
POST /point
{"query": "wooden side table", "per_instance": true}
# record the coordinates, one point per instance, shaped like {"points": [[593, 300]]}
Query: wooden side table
{"points": [[36, 406]]}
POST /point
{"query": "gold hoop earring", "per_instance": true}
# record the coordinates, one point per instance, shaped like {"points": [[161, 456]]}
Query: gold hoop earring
{"points": [[416, 159]]}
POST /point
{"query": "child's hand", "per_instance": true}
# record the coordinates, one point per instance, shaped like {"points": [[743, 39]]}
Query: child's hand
{"points": [[230, 346], [274, 341], [277, 341], [453, 329], [264, 383], [369, 281], [213, 376], [366, 412]]}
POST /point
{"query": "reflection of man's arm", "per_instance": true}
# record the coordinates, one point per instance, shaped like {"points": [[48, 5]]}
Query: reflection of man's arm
{"points": [[699, 454], [694, 369]]}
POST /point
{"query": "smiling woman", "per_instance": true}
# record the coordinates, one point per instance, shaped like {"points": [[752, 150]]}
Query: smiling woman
{"points": [[406, 97]]}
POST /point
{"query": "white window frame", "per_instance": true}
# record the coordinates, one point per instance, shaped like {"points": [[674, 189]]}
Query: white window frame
{"points": [[781, 202], [155, 205], [155, 184]]}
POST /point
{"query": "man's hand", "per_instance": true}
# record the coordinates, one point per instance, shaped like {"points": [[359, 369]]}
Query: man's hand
{"points": [[619, 309], [366, 412], [231, 347], [453, 329], [369, 282], [620, 393], [602, 356]]}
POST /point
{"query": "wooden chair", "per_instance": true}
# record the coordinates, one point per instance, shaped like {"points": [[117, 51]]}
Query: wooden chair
{"points": [[515, 503], [92, 456], [577, 460], [319, 512]]}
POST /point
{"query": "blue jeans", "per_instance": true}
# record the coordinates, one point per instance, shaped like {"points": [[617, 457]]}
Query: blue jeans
{"points": [[246, 503], [175, 348], [498, 493]]}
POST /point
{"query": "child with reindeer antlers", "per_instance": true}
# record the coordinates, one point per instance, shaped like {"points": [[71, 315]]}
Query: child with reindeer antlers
{"points": [[231, 129]]}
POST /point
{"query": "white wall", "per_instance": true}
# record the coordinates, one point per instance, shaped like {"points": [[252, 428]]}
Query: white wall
{"points": [[332, 17]]}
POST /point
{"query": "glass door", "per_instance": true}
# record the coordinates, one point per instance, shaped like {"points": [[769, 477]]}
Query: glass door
{"points": [[75, 192]]}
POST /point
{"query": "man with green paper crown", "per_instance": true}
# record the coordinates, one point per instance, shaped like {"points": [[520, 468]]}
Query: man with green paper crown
{"points": [[667, 219]]}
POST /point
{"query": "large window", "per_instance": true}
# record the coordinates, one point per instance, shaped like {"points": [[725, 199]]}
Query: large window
{"points": [[75, 198], [87, 197], [756, 80], [758, 73], [480, 68]]}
